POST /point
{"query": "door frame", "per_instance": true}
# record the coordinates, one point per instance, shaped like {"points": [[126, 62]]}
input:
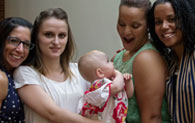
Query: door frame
{"points": [[2, 9]]}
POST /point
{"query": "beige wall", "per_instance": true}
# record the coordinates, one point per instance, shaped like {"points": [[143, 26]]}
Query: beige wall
{"points": [[93, 22], [153, 1]]}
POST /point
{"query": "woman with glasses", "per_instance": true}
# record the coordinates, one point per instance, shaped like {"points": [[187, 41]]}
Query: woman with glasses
{"points": [[14, 48]]}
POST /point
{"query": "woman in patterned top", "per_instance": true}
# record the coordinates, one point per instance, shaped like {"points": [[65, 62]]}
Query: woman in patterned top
{"points": [[172, 26], [14, 48]]}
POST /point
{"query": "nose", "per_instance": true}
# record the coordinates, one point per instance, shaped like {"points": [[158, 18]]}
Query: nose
{"points": [[165, 25], [127, 31], [55, 40], [20, 47]]}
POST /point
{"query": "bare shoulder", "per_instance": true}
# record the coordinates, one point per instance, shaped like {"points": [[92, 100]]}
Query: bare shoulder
{"points": [[149, 56], [149, 65], [3, 85], [3, 78]]}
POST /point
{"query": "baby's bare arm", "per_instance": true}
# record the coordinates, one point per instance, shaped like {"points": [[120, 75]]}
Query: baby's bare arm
{"points": [[117, 83]]}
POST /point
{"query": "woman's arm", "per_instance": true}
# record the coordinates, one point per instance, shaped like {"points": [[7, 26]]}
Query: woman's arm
{"points": [[39, 101], [3, 86], [150, 72]]}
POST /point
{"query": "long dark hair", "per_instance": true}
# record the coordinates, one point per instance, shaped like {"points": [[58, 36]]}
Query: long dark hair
{"points": [[185, 20], [6, 27]]}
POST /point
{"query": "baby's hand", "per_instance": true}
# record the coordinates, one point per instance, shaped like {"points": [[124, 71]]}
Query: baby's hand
{"points": [[127, 77], [128, 84]]}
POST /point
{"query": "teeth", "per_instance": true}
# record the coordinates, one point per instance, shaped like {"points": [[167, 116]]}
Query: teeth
{"points": [[168, 35], [16, 57]]}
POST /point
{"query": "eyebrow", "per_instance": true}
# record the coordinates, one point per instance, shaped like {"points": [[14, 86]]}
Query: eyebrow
{"points": [[19, 39], [170, 15]]}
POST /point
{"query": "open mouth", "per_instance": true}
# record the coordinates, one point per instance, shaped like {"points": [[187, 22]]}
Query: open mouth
{"points": [[128, 40]]}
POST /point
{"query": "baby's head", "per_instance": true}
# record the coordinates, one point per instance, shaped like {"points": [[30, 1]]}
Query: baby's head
{"points": [[95, 65]]}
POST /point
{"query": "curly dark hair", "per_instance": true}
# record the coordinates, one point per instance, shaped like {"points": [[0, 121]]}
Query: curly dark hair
{"points": [[185, 20]]}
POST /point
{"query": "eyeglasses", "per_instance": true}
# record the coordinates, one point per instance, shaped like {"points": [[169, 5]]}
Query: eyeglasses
{"points": [[16, 42]]}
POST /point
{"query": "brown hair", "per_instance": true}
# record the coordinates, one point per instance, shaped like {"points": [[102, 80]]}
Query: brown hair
{"points": [[68, 53], [146, 4]]}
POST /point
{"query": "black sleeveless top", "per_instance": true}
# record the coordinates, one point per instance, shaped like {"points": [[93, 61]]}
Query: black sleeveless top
{"points": [[12, 109]]}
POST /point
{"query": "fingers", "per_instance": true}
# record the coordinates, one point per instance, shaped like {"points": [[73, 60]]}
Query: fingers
{"points": [[127, 76], [112, 59], [118, 51]]}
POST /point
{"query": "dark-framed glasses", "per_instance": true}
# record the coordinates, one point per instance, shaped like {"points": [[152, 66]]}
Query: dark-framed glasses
{"points": [[16, 42]]}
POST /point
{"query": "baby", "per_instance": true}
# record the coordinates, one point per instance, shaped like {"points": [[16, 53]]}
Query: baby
{"points": [[106, 98]]}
